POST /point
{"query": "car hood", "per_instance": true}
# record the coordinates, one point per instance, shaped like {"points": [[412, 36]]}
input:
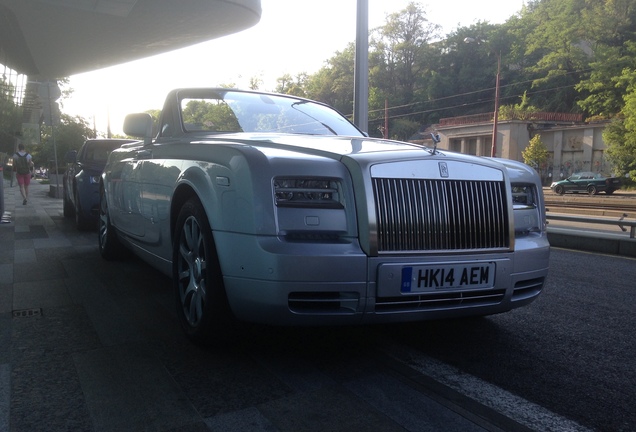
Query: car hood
{"points": [[340, 147]]}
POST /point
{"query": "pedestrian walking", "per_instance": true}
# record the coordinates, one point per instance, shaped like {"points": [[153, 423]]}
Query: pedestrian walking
{"points": [[22, 164]]}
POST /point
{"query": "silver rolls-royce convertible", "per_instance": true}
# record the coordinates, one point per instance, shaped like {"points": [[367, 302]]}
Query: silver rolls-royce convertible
{"points": [[276, 209]]}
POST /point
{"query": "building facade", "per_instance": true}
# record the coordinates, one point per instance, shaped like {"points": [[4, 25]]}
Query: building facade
{"points": [[573, 145]]}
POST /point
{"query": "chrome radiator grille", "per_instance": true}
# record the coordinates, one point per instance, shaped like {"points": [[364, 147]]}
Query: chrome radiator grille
{"points": [[434, 215]]}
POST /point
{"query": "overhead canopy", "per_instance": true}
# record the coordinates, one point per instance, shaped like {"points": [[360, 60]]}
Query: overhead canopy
{"points": [[58, 38]]}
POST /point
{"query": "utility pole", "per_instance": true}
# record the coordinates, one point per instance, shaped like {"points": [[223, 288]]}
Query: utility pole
{"points": [[385, 133], [52, 95], [361, 72], [493, 149]]}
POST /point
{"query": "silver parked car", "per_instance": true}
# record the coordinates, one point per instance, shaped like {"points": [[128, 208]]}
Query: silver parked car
{"points": [[276, 209]]}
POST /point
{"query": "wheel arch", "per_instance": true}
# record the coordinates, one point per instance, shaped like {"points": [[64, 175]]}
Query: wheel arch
{"points": [[181, 195]]}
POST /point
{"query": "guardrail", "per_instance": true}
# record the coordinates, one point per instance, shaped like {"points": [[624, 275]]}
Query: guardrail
{"points": [[621, 222]]}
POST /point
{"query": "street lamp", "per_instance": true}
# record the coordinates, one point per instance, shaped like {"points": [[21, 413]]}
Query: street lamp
{"points": [[493, 147]]}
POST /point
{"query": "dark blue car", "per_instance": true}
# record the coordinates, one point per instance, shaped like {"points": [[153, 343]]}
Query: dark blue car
{"points": [[81, 180]]}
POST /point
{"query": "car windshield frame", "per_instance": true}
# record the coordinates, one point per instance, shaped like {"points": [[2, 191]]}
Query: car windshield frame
{"points": [[222, 111]]}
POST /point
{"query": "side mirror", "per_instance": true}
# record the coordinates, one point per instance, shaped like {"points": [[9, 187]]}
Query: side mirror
{"points": [[70, 156], [139, 126]]}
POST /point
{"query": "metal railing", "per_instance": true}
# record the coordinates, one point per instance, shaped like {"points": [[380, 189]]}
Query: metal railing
{"points": [[620, 222]]}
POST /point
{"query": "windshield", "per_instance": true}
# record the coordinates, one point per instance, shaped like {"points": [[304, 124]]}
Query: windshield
{"points": [[98, 151], [226, 111]]}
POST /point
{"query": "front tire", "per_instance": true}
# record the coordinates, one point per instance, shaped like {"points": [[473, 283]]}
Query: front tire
{"points": [[202, 305], [559, 190]]}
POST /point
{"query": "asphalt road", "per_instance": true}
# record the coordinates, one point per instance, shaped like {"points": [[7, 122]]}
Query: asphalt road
{"points": [[573, 351], [103, 352]]}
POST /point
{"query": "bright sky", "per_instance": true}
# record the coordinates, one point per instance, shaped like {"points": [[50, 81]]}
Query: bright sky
{"points": [[292, 37]]}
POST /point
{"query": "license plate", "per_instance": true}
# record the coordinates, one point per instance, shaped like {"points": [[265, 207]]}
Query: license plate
{"points": [[448, 277]]}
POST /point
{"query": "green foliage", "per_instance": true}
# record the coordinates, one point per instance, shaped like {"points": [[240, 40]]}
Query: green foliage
{"points": [[402, 129], [10, 116], [156, 115], [536, 153], [555, 56], [517, 111], [291, 86], [255, 83], [621, 148], [206, 115], [620, 134], [333, 83], [70, 134]]}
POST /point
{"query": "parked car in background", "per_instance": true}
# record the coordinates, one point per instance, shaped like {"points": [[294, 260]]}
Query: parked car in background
{"points": [[586, 182], [81, 180], [276, 209]]}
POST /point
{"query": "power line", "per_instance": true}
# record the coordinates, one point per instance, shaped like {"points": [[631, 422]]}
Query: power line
{"points": [[382, 110], [469, 104]]}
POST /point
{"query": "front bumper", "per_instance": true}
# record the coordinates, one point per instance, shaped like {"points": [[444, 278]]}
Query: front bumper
{"points": [[277, 282]]}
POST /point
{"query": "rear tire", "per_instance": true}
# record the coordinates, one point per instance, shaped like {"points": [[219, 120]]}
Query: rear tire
{"points": [[110, 247], [69, 210], [202, 306], [592, 190]]}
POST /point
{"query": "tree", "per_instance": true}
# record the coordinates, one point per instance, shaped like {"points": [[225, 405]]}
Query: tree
{"points": [[156, 115], [517, 111], [610, 28], [70, 134], [211, 115], [403, 43], [536, 153], [399, 66], [558, 39], [255, 82], [620, 134], [333, 83], [291, 86], [9, 118], [621, 148]]}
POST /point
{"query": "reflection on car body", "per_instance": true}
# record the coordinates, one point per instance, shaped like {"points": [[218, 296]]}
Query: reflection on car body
{"points": [[276, 209]]}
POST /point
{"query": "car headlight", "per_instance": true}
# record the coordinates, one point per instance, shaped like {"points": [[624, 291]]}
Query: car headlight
{"points": [[527, 214], [308, 192]]}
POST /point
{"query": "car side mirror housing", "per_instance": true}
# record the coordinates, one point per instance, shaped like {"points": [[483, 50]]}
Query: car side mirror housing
{"points": [[139, 126]]}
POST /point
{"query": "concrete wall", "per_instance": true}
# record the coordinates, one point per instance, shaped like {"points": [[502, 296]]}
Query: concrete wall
{"points": [[572, 147]]}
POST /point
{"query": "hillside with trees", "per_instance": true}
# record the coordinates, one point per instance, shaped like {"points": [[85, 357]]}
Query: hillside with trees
{"points": [[571, 56]]}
